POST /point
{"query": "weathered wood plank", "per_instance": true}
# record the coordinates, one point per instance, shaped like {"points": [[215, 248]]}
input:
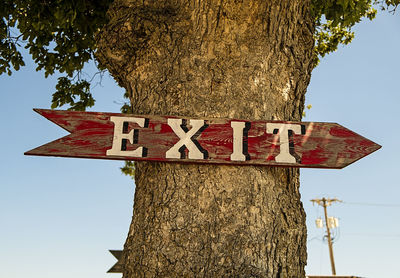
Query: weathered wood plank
{"points": [[193, 140]]}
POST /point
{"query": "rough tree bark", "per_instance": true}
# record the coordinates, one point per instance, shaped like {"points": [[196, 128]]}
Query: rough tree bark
{"points": [[248, 59]]}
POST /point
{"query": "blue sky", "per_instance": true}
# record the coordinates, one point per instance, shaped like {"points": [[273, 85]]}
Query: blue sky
{"points": [[59, 216]]}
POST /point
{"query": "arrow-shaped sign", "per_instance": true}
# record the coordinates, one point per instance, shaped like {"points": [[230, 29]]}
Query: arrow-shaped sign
{"points": [[118, 267], [205, 140]]}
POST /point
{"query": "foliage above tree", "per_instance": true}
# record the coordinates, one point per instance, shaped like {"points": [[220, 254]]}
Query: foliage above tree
{"points": [[60, 37], [335, 19]]}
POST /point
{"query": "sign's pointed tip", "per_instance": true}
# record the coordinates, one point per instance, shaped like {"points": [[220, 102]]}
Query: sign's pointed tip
{"points": [[38, 110], [42, 112], [112, 270], [375, 147], [30, 152], [116, 253]]}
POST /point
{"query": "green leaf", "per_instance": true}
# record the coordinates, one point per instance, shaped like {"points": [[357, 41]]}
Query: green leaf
{"points": [[129, 169]]}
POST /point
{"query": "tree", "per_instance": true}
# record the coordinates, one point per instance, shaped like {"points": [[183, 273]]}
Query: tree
{"points": [[248, 60]]}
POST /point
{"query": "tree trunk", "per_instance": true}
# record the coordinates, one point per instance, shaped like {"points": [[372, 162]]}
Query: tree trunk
{"points": [[248, 59]]}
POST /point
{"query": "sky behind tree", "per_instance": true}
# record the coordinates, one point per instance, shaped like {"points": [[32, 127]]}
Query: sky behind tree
{"points": [[59, 216]]}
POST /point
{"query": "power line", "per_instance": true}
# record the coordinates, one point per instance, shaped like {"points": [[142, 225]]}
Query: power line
{"points": [[314, 238], [371, 204], [372, 235]]}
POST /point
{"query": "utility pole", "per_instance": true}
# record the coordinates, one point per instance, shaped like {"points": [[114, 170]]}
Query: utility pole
{"points": [[324, 202]]}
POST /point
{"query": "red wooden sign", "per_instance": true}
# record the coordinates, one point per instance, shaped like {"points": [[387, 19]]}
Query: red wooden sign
{"points": [[193, 140]]}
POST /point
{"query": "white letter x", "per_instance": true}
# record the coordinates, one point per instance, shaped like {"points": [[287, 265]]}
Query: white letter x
{"points": [[186, 139]]}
